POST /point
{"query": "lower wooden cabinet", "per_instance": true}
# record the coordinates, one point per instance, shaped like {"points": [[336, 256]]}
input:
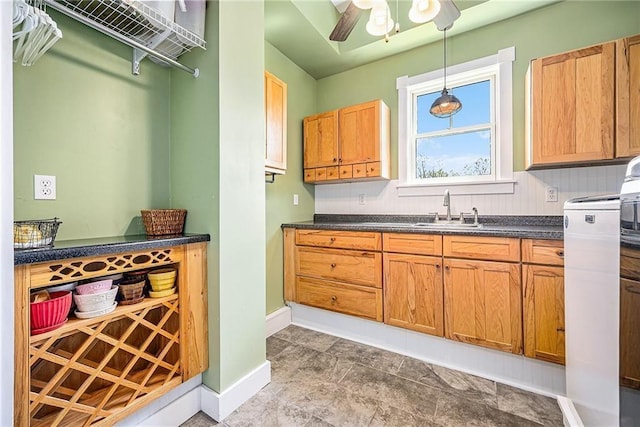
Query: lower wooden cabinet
{"points": [[543, 312], [413, 293], [629, 336], [482, 303]]}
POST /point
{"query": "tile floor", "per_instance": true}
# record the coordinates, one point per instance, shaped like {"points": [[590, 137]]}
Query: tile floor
{"points": [[321, 380]]}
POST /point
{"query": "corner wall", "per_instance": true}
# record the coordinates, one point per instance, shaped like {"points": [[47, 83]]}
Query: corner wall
{"points": [[301, 102]]}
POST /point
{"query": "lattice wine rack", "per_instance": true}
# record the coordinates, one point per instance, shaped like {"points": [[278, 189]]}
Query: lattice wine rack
{"points": [[97, 371]]}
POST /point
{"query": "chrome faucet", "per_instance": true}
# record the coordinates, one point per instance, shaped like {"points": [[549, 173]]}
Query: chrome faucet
{"points": [[447, 203]]}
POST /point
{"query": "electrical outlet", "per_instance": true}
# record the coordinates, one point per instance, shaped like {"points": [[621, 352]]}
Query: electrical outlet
{"points": [[295, 200], [44, 187], [361, 199], [551, 194]]}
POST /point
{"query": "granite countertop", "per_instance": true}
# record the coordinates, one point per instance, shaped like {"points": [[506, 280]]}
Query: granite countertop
{"points": [[100, 246], [531, 227]]}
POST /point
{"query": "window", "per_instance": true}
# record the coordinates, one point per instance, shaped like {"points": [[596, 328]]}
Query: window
{"points": [[473, 148]]}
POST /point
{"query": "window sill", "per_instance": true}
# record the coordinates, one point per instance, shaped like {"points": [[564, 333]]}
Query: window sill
{"points": [[461, 188]]}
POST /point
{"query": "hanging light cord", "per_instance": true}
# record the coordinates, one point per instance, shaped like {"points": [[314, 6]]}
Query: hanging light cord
{"points": [[445, 58]]}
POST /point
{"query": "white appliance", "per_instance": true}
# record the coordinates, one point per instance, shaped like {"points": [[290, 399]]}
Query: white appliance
{"points": [[592, 253]]}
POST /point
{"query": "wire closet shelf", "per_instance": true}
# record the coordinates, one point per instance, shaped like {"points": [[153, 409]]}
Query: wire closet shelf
{"points": [[134, 23]]}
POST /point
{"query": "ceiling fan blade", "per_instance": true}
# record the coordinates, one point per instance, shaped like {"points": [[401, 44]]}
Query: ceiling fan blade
{"points": [[347, 21]]}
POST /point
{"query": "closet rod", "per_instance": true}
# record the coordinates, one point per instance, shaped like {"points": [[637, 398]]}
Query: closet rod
{"points": [[114, 34]]}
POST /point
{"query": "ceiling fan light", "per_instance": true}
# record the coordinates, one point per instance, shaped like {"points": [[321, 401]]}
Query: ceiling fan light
{"points": [[423, 10], [446, 105], [380, 22], [365, 4]]}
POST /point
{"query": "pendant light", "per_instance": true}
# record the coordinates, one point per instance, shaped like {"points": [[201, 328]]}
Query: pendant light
{"points": [[423, 10], [446, 105], [380, 21]]}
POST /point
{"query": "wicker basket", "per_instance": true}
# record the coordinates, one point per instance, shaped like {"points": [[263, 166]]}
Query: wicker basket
{"points": [[35, 233], [159, 222]]}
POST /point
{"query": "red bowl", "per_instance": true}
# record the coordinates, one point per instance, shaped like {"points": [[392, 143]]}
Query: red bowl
{"points": [[54, 311]]}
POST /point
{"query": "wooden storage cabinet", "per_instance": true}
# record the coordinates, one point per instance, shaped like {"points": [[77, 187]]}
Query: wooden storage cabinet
{"points": [[276, 124], [477, 247], [628, 96], [99, 370], [351, 143], [334, 270], [543, 299], [629, 336], [482, 303]]}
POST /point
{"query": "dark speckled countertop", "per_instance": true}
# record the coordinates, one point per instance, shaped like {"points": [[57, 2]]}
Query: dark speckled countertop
{"points": [[531, 227], [100, 246]]}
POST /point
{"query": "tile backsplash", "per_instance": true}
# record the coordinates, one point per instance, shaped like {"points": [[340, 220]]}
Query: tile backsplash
{"points": [[381, 197]]}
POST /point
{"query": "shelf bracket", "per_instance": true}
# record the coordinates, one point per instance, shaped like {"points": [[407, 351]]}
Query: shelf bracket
{"points": [[270, 177]]}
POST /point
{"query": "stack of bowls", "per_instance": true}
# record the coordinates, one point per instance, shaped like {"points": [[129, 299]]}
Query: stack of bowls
{"points": [[51, 313], [131, 291], [95, 298], [162, 282]]}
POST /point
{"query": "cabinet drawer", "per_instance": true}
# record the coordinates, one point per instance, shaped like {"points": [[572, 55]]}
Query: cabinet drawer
{"points": [[321, 174], [360, 170], [374, 169], [309, 175], [343, 298], [547, 252], [346, 172], [332, 173], [420, 244], [369, 241], [357, 267], [475, 247]]}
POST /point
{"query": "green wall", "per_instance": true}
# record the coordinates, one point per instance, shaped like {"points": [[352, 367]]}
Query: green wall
{"points": [[552, 29], [80, 115], [301, 102]]}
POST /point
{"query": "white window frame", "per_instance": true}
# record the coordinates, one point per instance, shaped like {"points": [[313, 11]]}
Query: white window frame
{"points": [[501, 181]]}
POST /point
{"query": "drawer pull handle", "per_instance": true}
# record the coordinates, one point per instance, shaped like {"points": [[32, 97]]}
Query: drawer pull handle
{"points": [[335, 160], [438, 266], [334, 298], [560, 329], [333, 265], [560, 253], [446, 267], [333, 239]]}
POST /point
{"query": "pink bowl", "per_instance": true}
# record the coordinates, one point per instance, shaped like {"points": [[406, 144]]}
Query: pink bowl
{"points": [[94, 287], [52, 312]]}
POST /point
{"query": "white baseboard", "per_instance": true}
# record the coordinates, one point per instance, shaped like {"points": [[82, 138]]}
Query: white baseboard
{"points": [[570, 417], [219, 405], [522, 372], [170, 409], [278, 320]]}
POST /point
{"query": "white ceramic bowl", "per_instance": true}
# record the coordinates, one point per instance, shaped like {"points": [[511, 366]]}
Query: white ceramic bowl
{"points": [[96, 313], [96, 302], [66, 287], [97, 287]]}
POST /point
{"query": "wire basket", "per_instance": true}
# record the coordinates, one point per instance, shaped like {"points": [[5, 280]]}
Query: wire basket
{"points": [[160, 222], [35, 233]]}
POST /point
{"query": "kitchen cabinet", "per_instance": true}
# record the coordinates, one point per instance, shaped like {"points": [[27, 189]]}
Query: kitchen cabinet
{"points": [[102, 369], [413, 291], [351, 143], [335, 270], [482, 298], [573, 111], [628, 97], [276, 124], [543, 299], [629, 337]]}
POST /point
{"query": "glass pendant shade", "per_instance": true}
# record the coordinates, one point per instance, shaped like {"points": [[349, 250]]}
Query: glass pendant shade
{"points": [[380, 22], [445, 105], [365, 4], [423, 10]]}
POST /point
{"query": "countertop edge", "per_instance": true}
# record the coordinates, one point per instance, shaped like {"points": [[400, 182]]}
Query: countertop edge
{"points": [[34, 256]]}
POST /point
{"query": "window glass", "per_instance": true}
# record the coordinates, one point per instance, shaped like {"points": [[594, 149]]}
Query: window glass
{"points": [[463, 154]]}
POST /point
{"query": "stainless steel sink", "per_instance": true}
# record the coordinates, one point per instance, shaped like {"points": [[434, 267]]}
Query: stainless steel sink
{"points": [[444, 224]]}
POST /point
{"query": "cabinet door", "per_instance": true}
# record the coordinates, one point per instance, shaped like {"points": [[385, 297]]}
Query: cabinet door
{"points": [[628, 97], [573, 106], [483, 303], [629, 333], [360, 133], [276, 123], [543, 309], [413, 293], [321, 140]]}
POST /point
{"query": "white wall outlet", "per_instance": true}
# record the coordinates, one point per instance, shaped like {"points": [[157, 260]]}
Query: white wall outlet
{"points": [[551, 194], [44, 187], [361, 199], [295, 200]]}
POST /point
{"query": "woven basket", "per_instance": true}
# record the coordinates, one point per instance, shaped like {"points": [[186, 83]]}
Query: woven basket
{"points": [[159, 222], [131, 289]]}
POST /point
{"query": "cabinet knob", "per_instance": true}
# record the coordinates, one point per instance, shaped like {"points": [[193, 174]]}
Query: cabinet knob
{"points": [[560, 253], [333, 265], [340, 160], [335, 160], [438, 266], [333, 239], [446, 267], [334, 298]]}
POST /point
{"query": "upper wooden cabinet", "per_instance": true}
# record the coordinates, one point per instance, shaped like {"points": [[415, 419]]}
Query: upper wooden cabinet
{"points": [[347, 144], [628, 97], [585, 105], [276, 124]]}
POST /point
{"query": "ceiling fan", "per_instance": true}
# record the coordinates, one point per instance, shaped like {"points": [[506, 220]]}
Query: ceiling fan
{"points": [[444, 19]]}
